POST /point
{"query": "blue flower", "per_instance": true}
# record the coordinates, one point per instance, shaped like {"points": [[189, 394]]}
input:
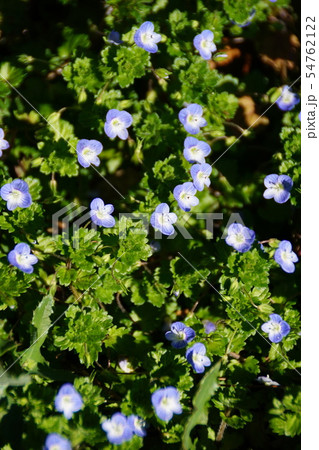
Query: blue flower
{"points": [[247, 21], [285, 257], [191, 118], [185, 196], [101, 214], [117, 123], [3, 143], [180, 335], [87, 152], [166, 403], [287, 99], [155, 246], [195, 151], [200, 174], [209, 326], [278, 187], [240, 237], [56, 442], [146, 38], [196, 357], [22, 258], [117, 429], [16, 194], [115, 38], [276, 328], [162, 219], [204, 44], [137, 425], [267, 381], [68, 400]]}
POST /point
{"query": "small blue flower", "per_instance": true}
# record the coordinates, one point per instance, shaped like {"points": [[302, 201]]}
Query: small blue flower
{"points": [[209, 326], [287, 99], [278, 187], [191, 118], [200, 174], [166, 403], [117, 123], [285, 257], [117, 429], [204, 43], [248, 21], [162, 219], [87, 152], [299, 116], [276, 328], [3, 143], [195, 151], [22, 258], [137, 425], [68, 400], [115, 38], [267, 381], [180, 335], [146, 38], [16, 194], [196, 357], [240, 237], [101, 214], [185, 196], [56, 442], [155, 246]]}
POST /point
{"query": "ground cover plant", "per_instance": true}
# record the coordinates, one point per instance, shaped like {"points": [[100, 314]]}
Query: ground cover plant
{"points": [[150, 224]]}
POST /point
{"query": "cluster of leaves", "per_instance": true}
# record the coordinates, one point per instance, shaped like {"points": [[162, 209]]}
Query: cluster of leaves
{"points": [[98, 297]]}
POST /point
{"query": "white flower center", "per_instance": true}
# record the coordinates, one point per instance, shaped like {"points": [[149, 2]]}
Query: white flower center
{"points": [[147, 38], [194, 150], [117, 429], [240, 238], [116, 123], [181, 335], [287, 97], [205, 44], [55, 447], [163, 218], [167, 403], [88, 152], [286, 256], [16, 194], [191, 118], [197, 358], [66, 401], [101, 214], [202, 176], [22, 259], [275, 327], [185, 196], [279, 186]]}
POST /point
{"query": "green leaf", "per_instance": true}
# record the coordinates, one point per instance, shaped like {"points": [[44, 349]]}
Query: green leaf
{"points": [[86, 330], [132, 63], [207, 387], [41, 321]]}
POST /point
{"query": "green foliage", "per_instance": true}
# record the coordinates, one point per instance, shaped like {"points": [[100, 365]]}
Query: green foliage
{"points": [[85, 334], [199, 416], [41, 322], [96, 308], [287, 415]]}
